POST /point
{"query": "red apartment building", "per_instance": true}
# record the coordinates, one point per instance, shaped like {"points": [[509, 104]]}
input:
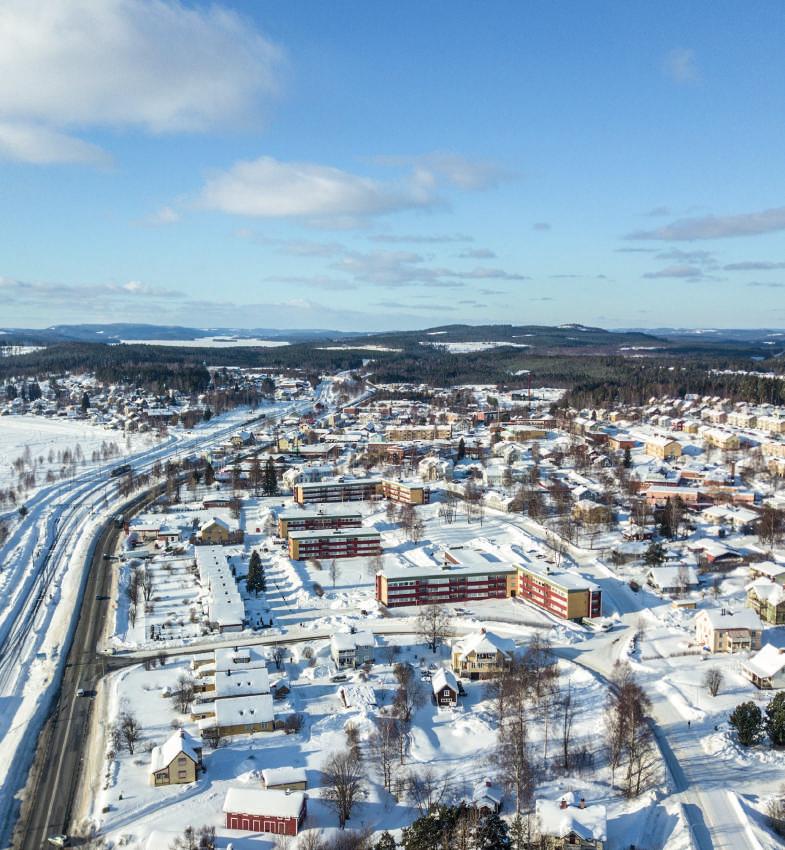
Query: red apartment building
{"points": [[470, 578]]}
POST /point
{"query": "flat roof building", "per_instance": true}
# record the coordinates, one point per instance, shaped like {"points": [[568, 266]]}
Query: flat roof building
{"points": [[334, 543]]}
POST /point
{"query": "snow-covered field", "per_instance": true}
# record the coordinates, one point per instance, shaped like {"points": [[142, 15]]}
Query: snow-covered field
{"points": [[468, 347], [210, 342], [37, 445], [357, 348]]}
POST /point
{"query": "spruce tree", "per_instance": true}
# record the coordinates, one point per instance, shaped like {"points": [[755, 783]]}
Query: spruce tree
{"points": [[748, 722], [385, 842], [270, 483], [775, 720], [518, 833], [491, 833], [252, 580]]}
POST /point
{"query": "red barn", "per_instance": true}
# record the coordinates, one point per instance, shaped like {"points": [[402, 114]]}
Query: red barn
{"points": [[262, 810]]}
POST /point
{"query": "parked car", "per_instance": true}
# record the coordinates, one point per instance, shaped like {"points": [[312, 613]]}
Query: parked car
{"points": [[59, 841]]}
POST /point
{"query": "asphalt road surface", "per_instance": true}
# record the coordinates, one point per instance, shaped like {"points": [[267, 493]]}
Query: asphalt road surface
{"points": [[55, 775]]}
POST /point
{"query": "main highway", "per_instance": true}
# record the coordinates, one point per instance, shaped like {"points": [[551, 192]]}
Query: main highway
{"points": [[55, 775]]}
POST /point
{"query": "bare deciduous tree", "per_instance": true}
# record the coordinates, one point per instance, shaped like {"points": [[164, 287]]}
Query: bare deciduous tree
{"points": [[342, 779], [712, 680], [409, 696], [183, 694], [428, 787], [130, 730], [433, 625], [384, 748], [567, 709]]}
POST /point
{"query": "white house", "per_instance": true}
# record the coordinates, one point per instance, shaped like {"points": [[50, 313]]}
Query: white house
{"points": [[724, 630], [352, 650], [673, 579], [766, 669]]}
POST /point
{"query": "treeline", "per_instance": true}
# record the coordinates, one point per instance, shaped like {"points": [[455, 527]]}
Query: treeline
{"points": [[592, 379], [634, 383], [155, 368]]}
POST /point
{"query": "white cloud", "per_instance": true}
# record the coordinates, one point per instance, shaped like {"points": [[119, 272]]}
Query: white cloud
{"points": [[330, 197], [679, 271], [44, 146], [156, 65], [753, 266], [717, 227], [680, 66], [477, 254], [166, 215], [448, 167], [57, 295], [423, 239], [269, 188]]}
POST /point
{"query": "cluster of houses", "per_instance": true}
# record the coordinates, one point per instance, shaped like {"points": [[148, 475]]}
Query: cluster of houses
{"points": [[234, 697]]}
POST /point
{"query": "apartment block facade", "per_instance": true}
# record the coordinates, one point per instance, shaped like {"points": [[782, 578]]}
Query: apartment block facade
{"points": [[334, 543], [396, 588], [563, 594], [405, 492], [310, 520], [338, 490]]}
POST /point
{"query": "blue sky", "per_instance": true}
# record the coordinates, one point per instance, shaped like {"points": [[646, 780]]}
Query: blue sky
{"points": [[369, 166]]}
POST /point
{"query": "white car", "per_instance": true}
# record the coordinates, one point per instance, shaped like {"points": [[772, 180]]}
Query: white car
{"points": [[59, 840]]}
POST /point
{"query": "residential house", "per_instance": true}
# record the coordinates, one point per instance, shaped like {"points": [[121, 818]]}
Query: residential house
{"points": [[664, 448], [216, 532], [241, 715], [177, 761], [766, 669], [482, 655], [767, 600], [714, 555], [768, 569], [352, 650], [678, 578], [486, 798], [564, 825], [587, 510], [724, 630], [445, 688]]}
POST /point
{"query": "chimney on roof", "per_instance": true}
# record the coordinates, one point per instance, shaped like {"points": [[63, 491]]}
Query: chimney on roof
{"points": [[563, 804], [582, 804]]}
